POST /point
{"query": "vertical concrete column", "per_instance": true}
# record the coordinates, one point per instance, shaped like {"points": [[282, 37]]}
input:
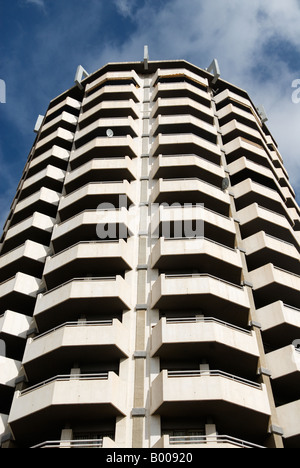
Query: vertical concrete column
{"points": [[211, 434], [139, 412], [66, 436]]}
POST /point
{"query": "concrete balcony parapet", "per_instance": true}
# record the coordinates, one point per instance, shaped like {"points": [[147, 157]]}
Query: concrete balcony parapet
{"points": [[53, 348], [65, 302], [68, 101], [103, 396], [196, 392], [100, 170], [104, 146], [185, 292], [172, 106], [204, 442], [186, 143]]}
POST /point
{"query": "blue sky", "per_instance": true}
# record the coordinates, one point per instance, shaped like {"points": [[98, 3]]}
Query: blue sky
{"points": [[256, 42]]}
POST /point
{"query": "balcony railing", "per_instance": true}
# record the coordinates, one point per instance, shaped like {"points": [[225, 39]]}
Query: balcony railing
{"points": [[201, 275], [101, 278], [75, 324], [64, 378], [88, 443], [206, 320], [213, 373], [217, 439]]}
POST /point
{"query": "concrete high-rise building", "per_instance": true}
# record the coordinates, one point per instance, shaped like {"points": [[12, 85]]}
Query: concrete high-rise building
{"points": [[149, 269]]}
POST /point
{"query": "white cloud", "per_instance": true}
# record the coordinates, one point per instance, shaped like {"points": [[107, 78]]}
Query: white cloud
{"points": [[243, 36], [125, 7], [39, 3]]}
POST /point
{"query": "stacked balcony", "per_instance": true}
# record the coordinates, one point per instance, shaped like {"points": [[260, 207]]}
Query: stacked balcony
{"points": [[192, 394], [268, 216], [27, 238], [78, 339]]}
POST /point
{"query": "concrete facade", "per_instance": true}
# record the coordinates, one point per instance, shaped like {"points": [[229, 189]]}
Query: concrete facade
{"points": [[149, 271]]}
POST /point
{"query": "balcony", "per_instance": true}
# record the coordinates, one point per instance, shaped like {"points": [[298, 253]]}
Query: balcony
{"points": [[94, 342], [120, 127], [64, 120], [175, 221], [19, 293], [226, 398], [93, 296], [60, 137], [289, 420], [94, 258], [117, 92], [115, 80], [179, 74], [199, 254], [187, 166], [14, 325], [191, 191], [226, 94], [283, 180], [271, 284], [280, 323], [224, 345], [51, 177], [181, 124], [44, 201], [284, 365], [204, 442], [182, 89], [186, 143], [9, 370], [67, 103], [56, 156], [13, 330], [263, 248], [73, 398], [255, 218], [105, 443], [201, 292], [28, 258], [104, 147], [248, 192], [92, 225], [243, 169], [97, 170], [108, 109], [242, 147], [231, 111], [92, 195], [235, 129], [37, 228], [181, 106]]}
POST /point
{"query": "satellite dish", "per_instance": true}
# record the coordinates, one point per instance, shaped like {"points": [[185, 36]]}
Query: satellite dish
{"points": [[109, 133], [225, 183]]}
